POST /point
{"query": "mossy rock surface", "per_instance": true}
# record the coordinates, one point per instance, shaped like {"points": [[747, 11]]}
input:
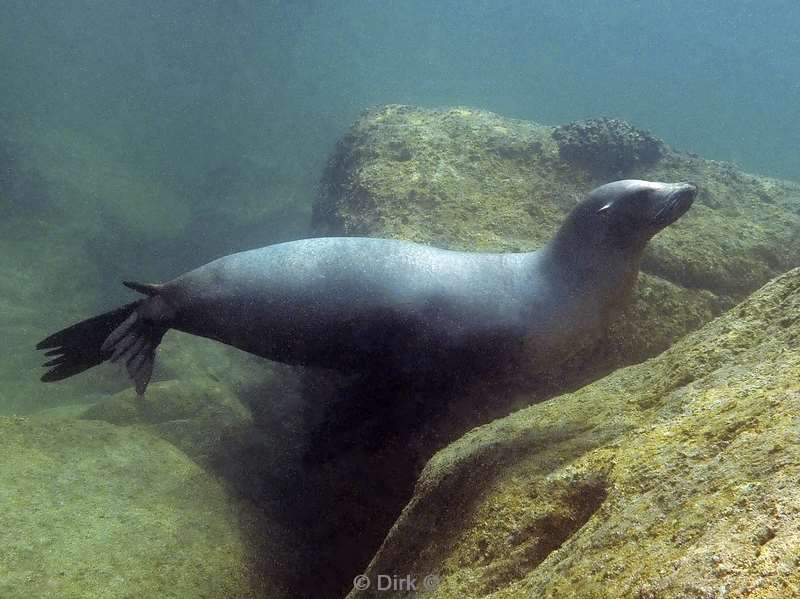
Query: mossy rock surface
{"points": [[607, 147], [195, 414], [90, 509], [469, 179], [677, 477]]}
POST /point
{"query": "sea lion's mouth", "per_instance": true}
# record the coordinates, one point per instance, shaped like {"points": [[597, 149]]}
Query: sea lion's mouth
{"points": [[675, 204]]}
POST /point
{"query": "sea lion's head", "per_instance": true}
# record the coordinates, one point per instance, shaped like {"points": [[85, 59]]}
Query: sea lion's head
{"points": [[626, 214]]}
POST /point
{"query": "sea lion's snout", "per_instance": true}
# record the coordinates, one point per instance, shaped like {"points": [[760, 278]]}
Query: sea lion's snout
{"points": [[676, 199], [627, 213]]}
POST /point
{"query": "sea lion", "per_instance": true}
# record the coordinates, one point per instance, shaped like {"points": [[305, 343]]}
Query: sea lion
{"points": [[365, 304]]}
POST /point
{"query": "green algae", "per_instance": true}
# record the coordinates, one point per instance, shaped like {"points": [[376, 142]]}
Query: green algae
{"points": [[95, 510], [676, 477], [468, 179]]}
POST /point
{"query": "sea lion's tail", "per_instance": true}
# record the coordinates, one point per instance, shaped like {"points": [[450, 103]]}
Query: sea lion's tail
{"points": [[129, 334]]}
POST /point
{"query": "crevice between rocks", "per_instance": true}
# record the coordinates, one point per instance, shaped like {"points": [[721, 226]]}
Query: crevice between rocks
{"points": [[547, 533]]}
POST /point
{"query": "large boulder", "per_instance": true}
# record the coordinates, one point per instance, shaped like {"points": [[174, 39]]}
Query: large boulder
{"points": [[90, 509], [247, 430], [676, 477], [469, 179]]}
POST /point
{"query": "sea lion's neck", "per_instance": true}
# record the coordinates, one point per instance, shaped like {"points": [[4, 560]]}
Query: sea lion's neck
{"points": [[609, 273]]}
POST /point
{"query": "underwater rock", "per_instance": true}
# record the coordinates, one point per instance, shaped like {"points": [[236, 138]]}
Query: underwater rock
{"points": [[607, 147], [92, 509], [243, 423], [193, 414], [469, 179], [672, 478]]}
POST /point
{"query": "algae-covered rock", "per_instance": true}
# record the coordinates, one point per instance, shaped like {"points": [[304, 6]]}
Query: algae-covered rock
{"points": [[251, 437], [678, 477], [469, 179], [194, 414], [90, 509], [607, 147]]}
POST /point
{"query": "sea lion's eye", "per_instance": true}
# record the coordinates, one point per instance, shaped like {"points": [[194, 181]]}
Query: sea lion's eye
{"points": [[605, 210]]}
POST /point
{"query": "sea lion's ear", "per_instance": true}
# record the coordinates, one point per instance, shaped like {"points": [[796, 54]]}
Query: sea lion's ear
{"points": [[604, 210]]}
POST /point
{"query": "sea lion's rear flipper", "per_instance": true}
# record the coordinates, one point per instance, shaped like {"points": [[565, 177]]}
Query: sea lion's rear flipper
{"points": [[129, 334], [134, 343]]}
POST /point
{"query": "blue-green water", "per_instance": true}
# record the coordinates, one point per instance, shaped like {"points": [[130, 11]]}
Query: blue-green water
{"points": [[141, 138], [180, 88]]}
